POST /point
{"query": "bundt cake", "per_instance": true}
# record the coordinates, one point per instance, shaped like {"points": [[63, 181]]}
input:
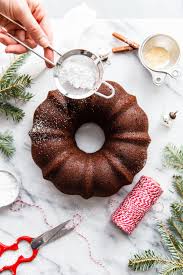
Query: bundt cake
{"points": [[101, 173]]}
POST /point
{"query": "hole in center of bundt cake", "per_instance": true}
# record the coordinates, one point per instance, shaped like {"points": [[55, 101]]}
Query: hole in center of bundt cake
{"points": [[90, 137]]}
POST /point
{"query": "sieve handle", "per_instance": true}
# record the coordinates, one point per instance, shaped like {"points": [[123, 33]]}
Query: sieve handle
{"points": [[23, 44], [27, 47], [111, 89]]}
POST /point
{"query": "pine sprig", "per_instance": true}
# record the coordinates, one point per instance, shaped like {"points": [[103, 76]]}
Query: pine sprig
{"points": [[173, 157], [178, 184], [13, 87], [6, 144], [11, 111], [11, 71], [147, 260], [177, 210], [172, 232], [169, 241], [176, 227], [172, 268]]}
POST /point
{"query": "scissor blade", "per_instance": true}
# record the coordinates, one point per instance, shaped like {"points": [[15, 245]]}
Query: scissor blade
{"points": [[60, 234], [51, 235], [60, 230]]}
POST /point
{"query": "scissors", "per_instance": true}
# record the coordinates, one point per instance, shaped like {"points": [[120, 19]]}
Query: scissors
{"points": [[35, 243]]}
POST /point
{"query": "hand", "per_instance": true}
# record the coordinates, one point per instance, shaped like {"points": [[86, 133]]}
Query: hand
{"points": [[32, 16]]}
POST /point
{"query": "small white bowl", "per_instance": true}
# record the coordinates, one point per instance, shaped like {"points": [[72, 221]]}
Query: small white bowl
{"points": [[9, 188], [170, 44]]}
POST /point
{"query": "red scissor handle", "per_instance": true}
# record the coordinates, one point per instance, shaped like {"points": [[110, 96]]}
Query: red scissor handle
{"points": [[21, 259]]}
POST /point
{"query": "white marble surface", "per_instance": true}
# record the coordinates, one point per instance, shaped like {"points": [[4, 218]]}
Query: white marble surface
{"points": [[120, 8], [110, 246]]}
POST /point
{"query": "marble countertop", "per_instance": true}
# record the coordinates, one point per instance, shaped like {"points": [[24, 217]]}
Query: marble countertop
{"points": [[121, 8], [97, 247]]}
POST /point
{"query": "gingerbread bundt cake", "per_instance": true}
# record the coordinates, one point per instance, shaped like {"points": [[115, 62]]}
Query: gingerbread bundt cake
{"points": [[101, 173]]}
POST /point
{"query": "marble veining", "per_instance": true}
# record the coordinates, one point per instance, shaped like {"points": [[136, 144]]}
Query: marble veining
{"points": [[109, 246]]}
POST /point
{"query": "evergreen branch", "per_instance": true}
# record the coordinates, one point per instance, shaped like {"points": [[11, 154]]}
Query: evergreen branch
{"points": [[6, 144], [171, 269], [176, 227], [147, 260], [11, 111], [16, 89], [11, 71], [178, 184], [172, 234], [13, 86], [173, 157], [169, 241], [177, 210]]}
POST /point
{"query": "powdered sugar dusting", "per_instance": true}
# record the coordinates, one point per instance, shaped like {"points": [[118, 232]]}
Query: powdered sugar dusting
{"points": [[78, 74], [38, 126]]}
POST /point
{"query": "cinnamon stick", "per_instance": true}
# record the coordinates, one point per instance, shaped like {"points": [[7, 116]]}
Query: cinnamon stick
{"points": [[133, 44], [122, 49]]}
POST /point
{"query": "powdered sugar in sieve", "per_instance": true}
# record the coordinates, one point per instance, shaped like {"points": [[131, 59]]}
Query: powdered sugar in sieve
{"points": [[78, 74]]}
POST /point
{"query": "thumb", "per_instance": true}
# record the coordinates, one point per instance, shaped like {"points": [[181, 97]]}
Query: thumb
{"points": [[33, 28]]}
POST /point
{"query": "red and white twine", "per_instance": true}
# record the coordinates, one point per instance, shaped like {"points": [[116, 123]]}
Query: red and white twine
{"points": [[136, 204], [76, 220]]}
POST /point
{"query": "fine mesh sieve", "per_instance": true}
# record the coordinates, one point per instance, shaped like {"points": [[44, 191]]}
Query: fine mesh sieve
{"points": [[92, 62]]}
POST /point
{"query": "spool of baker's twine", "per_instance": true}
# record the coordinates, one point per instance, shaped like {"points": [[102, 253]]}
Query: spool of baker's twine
{"points": [[136, 204]]}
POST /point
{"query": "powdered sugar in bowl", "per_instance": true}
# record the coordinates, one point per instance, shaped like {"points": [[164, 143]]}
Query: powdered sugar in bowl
{"points": [[79, 74], [9, 188]]}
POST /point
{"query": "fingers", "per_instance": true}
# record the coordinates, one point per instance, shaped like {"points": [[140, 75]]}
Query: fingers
{"points": [[17, 49], [45, 25], [32, 26], [38, 28], [13, 46], [9, 26], [49, 54], [4, 39], [20, 34]]}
